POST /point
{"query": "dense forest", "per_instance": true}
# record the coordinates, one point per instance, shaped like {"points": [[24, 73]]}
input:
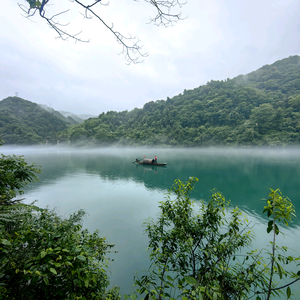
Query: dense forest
{"points": [[25, 122], [260, 108]]}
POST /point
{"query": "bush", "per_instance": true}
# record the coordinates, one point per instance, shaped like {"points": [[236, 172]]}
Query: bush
{"points": [[196, 254], [46, 257]]}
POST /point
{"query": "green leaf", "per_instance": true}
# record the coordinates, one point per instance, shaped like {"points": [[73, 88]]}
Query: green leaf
{"points": [[169, 278], [269, 229], [46, 280], [86, 283], [288, 292], [247, 287], [276, 230], [53, 271], [43, 254], [279, 270], [190, 280], [5, 242], [81, 257], [32, 3], [169, 284]]}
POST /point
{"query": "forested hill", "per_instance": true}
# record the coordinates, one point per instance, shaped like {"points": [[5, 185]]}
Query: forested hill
{"points": [[25, 122], [260, 108], [62, 115]]}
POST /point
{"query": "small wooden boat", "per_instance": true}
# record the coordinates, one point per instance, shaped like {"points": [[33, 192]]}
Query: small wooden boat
{"points": [[151, 162]]}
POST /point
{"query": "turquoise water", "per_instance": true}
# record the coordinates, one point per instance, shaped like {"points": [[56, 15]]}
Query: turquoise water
{"points": [[119, 195]]}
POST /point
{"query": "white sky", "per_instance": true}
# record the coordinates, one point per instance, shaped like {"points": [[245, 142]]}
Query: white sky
{"points": [[219, 39]]}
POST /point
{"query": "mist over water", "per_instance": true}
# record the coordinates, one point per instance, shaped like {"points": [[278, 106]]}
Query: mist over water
{"points": [[119, 195]]}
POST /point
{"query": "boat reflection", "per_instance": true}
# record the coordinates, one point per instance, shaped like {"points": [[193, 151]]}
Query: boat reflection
{"points": [[149, 167]]}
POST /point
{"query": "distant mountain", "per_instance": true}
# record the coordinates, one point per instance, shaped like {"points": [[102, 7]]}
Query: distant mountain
{"points": [[68, 119], [86, 116], [25, 122], [79, 118], [68, 116], [260, 108]]}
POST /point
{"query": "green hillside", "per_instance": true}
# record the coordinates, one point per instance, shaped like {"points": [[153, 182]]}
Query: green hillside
{"points": [[24, 122], [260, 108], [68, 119]]}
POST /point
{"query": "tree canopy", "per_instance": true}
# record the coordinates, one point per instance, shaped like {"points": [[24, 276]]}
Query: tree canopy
{"points": [[244, 110], [44, 256], [15, 174], [25, 122], [204, 251]]}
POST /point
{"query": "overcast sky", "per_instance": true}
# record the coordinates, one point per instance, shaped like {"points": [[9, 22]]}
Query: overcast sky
{"points": [[218, 40]]}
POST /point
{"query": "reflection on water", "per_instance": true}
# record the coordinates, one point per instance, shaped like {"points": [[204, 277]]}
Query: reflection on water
{"points": [[243, 175], [119, 194]]}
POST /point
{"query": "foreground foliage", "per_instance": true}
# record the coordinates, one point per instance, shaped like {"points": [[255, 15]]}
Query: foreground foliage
{"points": [[200, 253], [43, 256], [46, 257], [15, 173]]}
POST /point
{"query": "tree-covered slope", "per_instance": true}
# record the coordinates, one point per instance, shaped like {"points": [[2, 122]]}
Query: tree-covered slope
{"points": [[282, 77], [25, 122], [260, 108], [67, 119]]}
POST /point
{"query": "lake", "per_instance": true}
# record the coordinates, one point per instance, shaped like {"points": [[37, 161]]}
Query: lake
{"points": [[119, 195]]}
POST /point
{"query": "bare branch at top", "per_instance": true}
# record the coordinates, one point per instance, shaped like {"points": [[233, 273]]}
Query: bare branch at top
{"points": [[131, 48]]}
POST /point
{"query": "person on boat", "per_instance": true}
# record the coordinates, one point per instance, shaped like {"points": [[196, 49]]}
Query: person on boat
{"points": [[155, 159]]}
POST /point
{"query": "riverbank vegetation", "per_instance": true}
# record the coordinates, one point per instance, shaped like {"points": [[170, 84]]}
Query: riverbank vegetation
{"points": [[44, 256], [201, 252], [260, 108]]}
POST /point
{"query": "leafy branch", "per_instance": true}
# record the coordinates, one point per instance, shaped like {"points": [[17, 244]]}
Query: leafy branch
{"points": [[195, 255]]}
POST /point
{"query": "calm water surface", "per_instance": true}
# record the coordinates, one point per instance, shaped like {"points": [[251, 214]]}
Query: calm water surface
{"points": [[119, 195]]}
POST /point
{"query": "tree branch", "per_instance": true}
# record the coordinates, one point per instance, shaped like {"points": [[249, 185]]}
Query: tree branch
{"points": [[164, 16], [131, 48]]}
